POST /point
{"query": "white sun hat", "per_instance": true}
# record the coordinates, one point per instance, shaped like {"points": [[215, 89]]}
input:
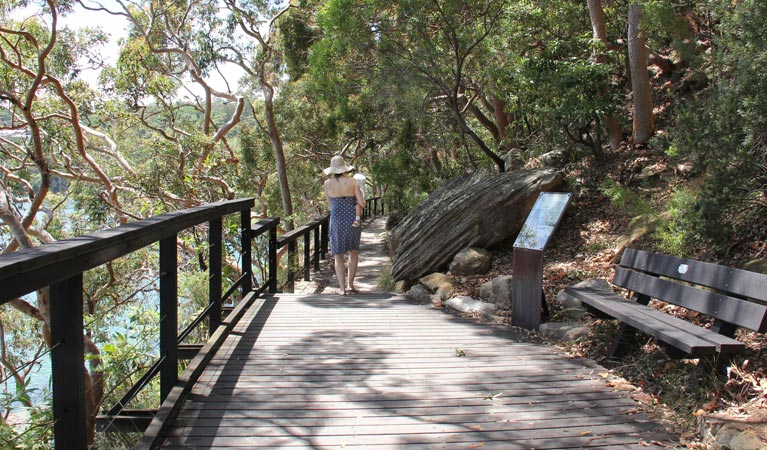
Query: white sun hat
{"points": [[338, 165]]}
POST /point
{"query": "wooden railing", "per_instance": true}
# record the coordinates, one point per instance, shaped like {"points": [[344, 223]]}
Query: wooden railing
{"points": [[318, 230], [372, 208], [61, 265]]}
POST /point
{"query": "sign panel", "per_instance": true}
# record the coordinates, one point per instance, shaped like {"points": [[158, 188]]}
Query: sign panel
{"points": [[543, 220]]}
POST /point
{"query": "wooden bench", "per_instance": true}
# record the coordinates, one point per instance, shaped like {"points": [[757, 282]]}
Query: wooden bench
{"points": [[731, 297]]}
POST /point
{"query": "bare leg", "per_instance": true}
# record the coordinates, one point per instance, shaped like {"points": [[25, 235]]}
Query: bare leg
{"points": [[339, 259], [354, 256]]}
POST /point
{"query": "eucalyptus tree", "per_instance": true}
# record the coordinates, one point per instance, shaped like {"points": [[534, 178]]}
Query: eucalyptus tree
{"points": [[643, 126], [249, 34], [171, 49], [45, 145], [440, 41]]}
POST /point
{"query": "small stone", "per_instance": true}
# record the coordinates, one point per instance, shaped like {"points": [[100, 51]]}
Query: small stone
{"points": [[471, 261], [562, 331], [573, 308], [470, 305], [434, 280], [498, 291], [756, 265], [445, 290], [419, 293]]}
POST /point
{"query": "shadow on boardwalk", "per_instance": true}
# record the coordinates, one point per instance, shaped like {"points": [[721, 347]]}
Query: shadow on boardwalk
{"points": [[316, 371], [377, 370]]}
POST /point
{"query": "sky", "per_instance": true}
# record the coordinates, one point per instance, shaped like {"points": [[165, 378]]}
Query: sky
{"points": [[117, 27]]}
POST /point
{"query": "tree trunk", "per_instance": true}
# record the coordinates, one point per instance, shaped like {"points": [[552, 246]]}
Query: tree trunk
{"points": [[501, 118], [640, 79], [279, 152], [599, 28]]}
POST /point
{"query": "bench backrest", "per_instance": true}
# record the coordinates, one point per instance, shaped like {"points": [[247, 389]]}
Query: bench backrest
{"points": [[735, 296]]}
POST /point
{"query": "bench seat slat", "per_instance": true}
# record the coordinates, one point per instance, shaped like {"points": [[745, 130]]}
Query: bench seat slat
{"points": [[739, 282], [683, 335], [729, 309]]}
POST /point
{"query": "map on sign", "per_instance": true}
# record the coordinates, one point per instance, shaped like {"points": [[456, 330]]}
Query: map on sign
{"points": [[543, 220]]}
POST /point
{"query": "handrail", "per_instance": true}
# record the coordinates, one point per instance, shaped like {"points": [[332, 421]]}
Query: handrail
{"points": [[60, 267], [28, 270], [320, 229], [371, 207]]}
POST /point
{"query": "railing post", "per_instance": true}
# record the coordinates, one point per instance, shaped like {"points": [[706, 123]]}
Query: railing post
{"points": [[324, 237], [317, 250], [307, 255], [247, 258], [273, 258], [214, 273], [67, 364], [168, 315], [291, 265]]}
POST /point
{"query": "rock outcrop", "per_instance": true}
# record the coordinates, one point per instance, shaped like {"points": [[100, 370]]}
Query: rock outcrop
{"points": [[472, 211]]}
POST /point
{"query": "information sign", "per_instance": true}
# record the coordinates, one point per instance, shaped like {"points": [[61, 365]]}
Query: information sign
{"points": [[542, 220]]}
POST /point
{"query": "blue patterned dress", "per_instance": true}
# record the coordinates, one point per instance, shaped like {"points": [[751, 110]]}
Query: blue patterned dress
{"points": [[343, 236]]}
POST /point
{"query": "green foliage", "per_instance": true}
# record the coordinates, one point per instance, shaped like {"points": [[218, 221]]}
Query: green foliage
{"points": [[297, 37], [723, 131], [624, 198]]}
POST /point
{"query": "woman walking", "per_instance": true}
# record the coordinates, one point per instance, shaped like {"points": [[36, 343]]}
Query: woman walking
{"points": [[346, 203]]}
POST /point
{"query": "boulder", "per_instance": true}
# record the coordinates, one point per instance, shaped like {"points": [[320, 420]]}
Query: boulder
{"points": [[471, 261], [498, 291], [472, 211]]}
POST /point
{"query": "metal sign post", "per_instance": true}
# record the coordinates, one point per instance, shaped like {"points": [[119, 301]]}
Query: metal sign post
{"points": [[527, 266]]}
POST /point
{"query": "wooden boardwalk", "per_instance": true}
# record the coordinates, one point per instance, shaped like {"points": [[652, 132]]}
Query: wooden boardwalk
{"points": [[377, 371]]}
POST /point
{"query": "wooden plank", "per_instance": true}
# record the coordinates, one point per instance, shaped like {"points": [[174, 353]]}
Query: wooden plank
{"points": [[683, 335], [729, 309], [728, 279], [333, 383]]}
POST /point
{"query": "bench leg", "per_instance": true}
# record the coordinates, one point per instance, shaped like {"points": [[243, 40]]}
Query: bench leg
{"points": [[626, 338]]}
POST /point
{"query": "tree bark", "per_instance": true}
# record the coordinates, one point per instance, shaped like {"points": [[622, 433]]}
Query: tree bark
{"points": [[643, 124], [501, 118], [599, 28], [279, 153]]}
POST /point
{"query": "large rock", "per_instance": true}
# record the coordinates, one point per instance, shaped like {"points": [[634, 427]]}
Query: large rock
{"points": [[472, 211]]}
